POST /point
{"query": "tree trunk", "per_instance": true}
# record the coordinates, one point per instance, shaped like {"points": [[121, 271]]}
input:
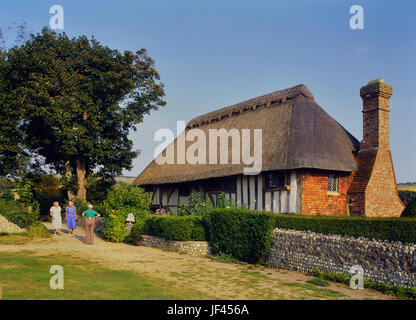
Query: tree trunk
{"points": [[82, 180], [68, 176]]}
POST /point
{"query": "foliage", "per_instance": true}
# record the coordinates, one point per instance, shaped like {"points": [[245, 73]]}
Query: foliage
{"points": [[318, 282], [47, 190], [119, 203], [114, 226], [13, 156], [8, 206], [98, 188], [393, 229], [22, 218], [81, 206], [407, 196], [385, 288], [224, 203], [75, 101], [198, 205], [190, 228], [410, 210], [138, 229], [6, 187], [38, 230], [244, 234]]}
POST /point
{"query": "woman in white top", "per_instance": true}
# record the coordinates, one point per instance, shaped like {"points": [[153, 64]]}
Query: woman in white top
{"points": [[55, 213]]}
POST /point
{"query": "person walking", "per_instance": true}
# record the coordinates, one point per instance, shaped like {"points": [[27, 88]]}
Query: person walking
{"points": [[89, 216], [71, 217], [55, 212]]}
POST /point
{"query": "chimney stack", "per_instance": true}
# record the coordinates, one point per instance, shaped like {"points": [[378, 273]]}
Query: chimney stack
{"points": [[373, 192], [376, 95]]}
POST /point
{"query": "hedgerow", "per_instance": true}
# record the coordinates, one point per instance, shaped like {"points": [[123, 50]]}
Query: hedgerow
{"points": [[187, 228]]}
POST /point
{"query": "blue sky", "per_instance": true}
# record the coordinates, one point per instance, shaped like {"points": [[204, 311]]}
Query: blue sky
{"points": [[213, 53]]}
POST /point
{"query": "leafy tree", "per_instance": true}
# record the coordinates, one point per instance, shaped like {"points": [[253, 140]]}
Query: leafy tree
{"points": [[13, 157], [79, 101]]}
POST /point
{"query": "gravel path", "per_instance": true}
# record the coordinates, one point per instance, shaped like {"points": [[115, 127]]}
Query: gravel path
{"points": [[217, 280]]}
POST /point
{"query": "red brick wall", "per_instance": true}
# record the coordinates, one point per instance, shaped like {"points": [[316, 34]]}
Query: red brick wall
{"points": [[315, 197], [373, 192]]}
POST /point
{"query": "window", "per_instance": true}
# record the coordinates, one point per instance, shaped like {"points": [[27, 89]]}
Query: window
{"points": [[274, 180], [333, 183]]}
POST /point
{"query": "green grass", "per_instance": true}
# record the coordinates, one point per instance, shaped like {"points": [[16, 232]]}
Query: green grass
{"points": [[318, 282], [14, 238], [24, 276]]}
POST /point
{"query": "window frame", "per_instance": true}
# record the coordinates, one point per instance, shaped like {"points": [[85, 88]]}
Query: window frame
{"points": [[331, 177], [283, 186]]}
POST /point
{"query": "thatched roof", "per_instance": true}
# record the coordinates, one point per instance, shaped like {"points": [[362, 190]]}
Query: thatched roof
{"points": [[296, 133]]}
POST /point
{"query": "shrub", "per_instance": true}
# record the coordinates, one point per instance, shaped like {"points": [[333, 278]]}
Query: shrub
{"points": [[198, 206], [393, 229], [38, 230], [244, 234], [176, 228], [410, 210], [119, 203], [138, 229]]}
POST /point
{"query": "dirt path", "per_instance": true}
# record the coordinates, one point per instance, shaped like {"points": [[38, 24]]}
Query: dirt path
{"points": [[215, 279]]}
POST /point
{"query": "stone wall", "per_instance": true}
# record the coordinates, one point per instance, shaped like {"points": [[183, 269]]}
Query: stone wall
{"points": [[193, 248], [8, 227], [390, 262]]}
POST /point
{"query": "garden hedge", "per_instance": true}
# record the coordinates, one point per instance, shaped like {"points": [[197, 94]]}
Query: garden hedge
{"points": [[185, 228], [393, 229], [244, 234]]}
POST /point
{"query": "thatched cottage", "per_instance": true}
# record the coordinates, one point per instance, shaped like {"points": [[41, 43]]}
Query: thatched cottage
{"points": [[310, 164]]}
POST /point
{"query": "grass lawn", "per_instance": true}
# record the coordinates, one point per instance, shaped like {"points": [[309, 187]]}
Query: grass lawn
{"points": [[14, 238], [24, 276]]}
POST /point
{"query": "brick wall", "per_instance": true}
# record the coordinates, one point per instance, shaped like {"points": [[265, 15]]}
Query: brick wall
{"points": [[373, 192], [315, 197]]}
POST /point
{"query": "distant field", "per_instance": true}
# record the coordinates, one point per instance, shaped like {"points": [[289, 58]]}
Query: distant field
{"points": [[125, 179], [407, 187]]}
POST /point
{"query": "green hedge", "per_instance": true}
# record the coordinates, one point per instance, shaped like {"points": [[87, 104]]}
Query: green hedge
{"points": [[187, 228], [244, 234], [410, 210], [393, 229]]}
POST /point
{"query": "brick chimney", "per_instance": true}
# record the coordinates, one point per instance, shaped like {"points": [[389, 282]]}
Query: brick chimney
{"points": [[373, 192]]}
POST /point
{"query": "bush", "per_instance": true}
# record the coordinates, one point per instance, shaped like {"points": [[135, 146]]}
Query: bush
{"points": [[190, 228], [198, 206], [410, 210], [244, 234], [138, 229], [393, 229], [119, 203], [38, 230]]}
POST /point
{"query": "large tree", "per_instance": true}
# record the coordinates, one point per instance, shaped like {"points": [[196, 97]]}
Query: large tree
{"points": [[79, 101], [13, 157]]}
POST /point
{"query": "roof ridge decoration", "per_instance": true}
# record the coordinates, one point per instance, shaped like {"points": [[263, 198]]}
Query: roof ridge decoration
{"points": [[280, 96]]}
